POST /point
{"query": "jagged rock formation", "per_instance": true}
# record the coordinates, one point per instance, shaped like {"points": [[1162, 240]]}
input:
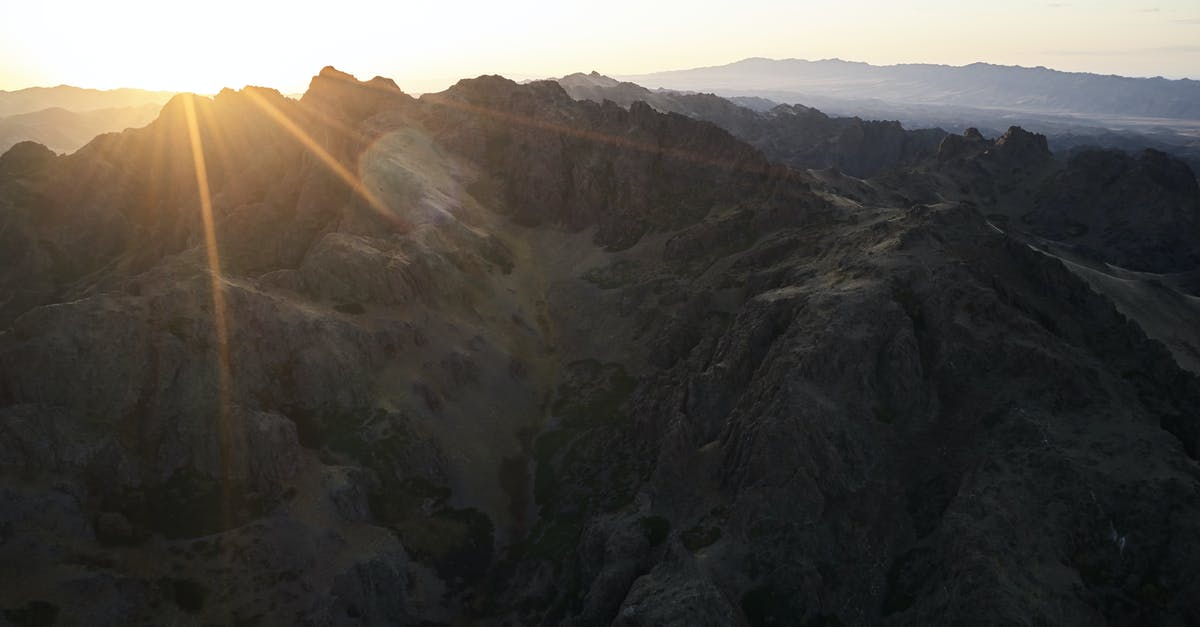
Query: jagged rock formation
{"points": [[1137, 211], [1128, 224], [798, 136], [498, 355]]}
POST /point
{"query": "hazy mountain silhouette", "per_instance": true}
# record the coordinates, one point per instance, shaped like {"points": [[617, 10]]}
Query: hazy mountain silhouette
{"points": [[498, 355], [66, 131], [64, 118], [1074, 110], [979, 85], [76, 99]]}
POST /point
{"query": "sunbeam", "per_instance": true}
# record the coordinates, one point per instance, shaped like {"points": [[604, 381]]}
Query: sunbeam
{"points": [[224, 417]]}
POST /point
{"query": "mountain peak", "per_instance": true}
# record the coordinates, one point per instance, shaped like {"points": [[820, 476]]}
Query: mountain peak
{"points": [[25, 157], [331, 72], [592, 79], [1018, 143], [343, 94]]}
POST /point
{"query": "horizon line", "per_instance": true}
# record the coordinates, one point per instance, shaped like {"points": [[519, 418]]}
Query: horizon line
{"points": [[528, 76]]}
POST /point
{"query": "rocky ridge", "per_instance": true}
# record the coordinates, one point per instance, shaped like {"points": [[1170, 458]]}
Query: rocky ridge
{"points": [[795, 135]]}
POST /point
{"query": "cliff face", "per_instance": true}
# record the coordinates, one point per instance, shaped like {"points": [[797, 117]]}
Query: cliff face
{"points": [[499, 355]]}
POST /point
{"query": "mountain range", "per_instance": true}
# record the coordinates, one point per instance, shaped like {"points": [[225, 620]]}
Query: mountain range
{"points": [[545, 354], [1074, 110], [978, 85], [64, 118]]}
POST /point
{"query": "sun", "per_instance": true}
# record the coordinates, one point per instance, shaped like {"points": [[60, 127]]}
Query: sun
{"points": [[197, 47]]}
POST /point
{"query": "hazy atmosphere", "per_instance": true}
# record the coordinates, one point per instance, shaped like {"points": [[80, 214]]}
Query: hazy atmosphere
{"points": [[427, 46]]}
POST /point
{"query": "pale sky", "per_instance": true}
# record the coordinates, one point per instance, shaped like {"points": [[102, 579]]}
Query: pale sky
{"points": [[427, 45]]}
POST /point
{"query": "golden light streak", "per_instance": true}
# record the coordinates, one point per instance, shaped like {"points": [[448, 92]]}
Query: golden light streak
{"points": [[224, 426], [329, 120], [218, 132], [328, 160]]}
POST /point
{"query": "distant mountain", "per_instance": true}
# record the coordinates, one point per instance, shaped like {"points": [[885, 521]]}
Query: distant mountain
{"points": [[66, 131], [64, 118], [795, 135], [76, 99], [1033, 90], [1073, 110]]}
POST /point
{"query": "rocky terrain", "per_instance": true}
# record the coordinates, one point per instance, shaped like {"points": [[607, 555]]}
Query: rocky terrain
{"points": [[795, 135], [501, 356], [1126, 223]]}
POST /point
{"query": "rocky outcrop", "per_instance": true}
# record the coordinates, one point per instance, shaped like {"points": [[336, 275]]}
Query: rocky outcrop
{"points": [[1019, 146], [340, 95], [1139, 212], [960, 147]]}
